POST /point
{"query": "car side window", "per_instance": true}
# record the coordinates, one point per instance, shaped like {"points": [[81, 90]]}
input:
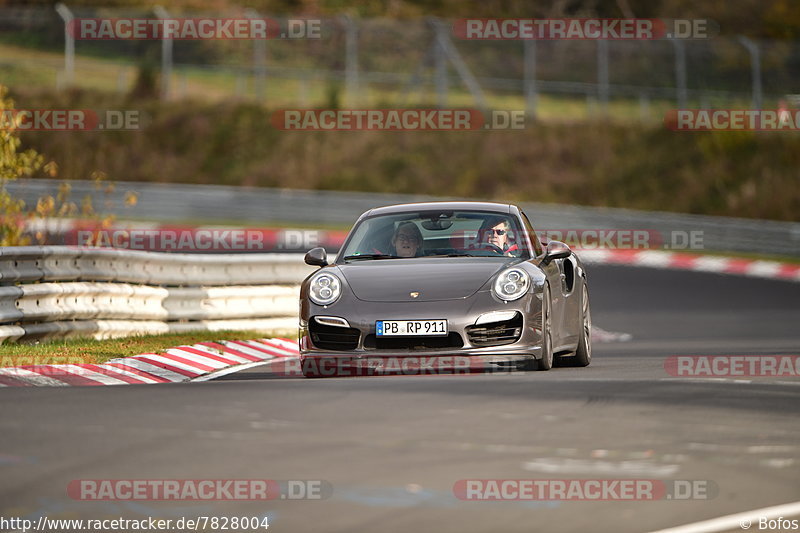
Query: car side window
{"points": [[537, 245]]}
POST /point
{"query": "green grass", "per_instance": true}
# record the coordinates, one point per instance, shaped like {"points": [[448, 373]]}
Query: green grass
{"points": [[114, 75], [86, 350]]}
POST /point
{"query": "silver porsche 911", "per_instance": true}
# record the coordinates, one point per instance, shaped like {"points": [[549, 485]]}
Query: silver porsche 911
{"points": [[439, 279]]}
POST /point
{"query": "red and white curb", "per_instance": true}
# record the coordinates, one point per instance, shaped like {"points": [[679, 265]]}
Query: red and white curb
{"points": [[697, 263], [182, 363]]}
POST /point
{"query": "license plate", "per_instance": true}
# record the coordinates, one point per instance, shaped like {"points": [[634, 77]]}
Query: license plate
{"points": [[407, 328]]}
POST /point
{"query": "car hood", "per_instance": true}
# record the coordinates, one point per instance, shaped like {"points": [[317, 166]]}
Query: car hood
{"points": [[392, 280]]}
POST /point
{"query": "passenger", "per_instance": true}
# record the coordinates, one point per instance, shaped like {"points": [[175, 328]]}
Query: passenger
{"points": [[407, 240]]}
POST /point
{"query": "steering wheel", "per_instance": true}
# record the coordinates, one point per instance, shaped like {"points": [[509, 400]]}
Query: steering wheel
{"points": [[493, 247]]}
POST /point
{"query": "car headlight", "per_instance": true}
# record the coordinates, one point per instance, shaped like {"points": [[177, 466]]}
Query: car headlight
{"points": [[324, 289], [511, 284]]}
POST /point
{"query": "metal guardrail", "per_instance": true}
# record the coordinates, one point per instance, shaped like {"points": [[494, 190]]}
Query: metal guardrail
{"points": [[63, 291], [258, 206]]}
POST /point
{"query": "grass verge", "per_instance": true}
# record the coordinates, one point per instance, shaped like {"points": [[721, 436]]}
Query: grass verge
{"points": [[89, 350]]}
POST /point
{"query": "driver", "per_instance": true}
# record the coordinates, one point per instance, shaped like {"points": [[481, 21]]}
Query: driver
{"points": [[494, 230]]}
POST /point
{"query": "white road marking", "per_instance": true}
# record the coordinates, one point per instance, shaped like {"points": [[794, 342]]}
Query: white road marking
{"points": [[731, 381], [601, 335], [232, 369], [574, 466], [737, 521]]}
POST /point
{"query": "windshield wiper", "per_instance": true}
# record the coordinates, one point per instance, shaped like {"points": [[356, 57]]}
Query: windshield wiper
{"points": [[369, 256], [453, 254]]}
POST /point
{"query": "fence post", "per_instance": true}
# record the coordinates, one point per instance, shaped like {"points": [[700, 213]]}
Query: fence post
{"points": [[531, 90], [443, 41], [680, 72], [440, 69], [69, 43], [351, 60], [259, 60], [166, 54], [755, 68], [602, 74]]}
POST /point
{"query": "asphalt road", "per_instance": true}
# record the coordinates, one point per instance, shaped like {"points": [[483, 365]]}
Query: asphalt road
{"points": [[393, 447]]}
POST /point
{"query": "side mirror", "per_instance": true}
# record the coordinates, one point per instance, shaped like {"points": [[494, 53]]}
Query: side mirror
{"points": [[317, 257], [556, 250]]}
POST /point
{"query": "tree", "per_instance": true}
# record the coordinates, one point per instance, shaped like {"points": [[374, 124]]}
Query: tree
{"points": [[16, 163]]}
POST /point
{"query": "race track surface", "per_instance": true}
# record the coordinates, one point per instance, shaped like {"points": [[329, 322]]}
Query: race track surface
{"points": [[393, 447]]}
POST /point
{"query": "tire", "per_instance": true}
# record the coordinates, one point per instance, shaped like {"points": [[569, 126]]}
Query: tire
{"points": [[533, 363], [583, 354], [546, 362]]}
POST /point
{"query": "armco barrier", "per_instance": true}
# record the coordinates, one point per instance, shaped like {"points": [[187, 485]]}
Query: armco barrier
{"points": [[64, 291], [248, 205]]}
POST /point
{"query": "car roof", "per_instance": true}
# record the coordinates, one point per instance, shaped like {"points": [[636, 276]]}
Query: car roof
{"points": [[456, 206]]}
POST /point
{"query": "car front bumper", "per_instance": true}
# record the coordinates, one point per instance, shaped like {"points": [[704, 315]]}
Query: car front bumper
{"points": [[460, 314]]}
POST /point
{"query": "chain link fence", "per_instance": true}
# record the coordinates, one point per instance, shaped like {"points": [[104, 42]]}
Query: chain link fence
{"points": [[401, 63]]}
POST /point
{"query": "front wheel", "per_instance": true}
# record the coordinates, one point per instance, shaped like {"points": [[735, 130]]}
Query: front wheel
{"points": [[546, 362], [583, 354]]}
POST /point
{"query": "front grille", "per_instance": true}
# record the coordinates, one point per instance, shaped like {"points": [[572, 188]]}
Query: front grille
{"points": [[496, 333], [453, 340], [333, 337]]}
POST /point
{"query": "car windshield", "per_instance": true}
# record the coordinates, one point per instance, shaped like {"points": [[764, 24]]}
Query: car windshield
{"points": [[436, 233]]}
